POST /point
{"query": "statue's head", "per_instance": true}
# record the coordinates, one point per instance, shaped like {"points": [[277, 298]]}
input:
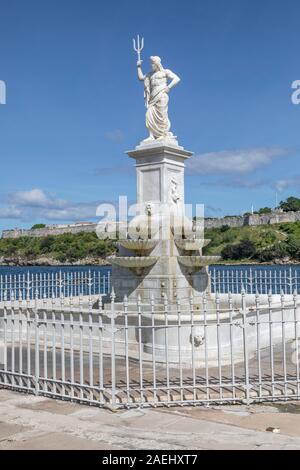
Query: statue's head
{"points": [[156, 63]]}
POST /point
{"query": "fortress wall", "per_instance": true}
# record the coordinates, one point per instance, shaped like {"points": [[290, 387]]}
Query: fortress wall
{"points": [[233, 221], [237, 221], [51, 230], [254, 219]]}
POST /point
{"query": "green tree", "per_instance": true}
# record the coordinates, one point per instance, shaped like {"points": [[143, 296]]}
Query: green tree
{"points": [[293, 246], [224, 228], [38, 226], [277, 251], [46, 244], [265, 210], [290, 204], [242, 250], [65, 247]]}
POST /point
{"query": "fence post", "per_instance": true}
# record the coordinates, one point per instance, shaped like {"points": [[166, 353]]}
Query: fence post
{"points": [[270, 309], [60, 284], [28, 286], [5, 327], [296, 326], [12, 323], [227, 280], [291, 280], [231, 336], [125, 311], [192, 340], [258, 341], [166, 326], [251, 281], [218, 326], [285, 283], [109, 288], [283, 328], [113, 349], [209, 281], [247, 400], [37, 350]]}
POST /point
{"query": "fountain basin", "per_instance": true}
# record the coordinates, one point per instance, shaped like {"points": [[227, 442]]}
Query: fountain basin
{"points": [[197, 261], [135, 262], [138, 245], [192, 245]]}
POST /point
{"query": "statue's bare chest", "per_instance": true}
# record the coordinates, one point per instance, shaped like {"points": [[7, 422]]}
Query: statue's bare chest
{"points": [[158, 78]]}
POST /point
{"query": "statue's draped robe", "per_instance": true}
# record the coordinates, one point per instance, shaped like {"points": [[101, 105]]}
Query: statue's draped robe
{"points": [[156, 100]]}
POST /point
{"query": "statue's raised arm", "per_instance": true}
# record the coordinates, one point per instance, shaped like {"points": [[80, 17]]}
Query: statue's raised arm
{"points": [[157, 85], [141, 76]]}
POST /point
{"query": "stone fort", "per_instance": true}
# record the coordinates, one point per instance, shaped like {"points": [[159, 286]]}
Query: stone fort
{"points": [[275, 217]]}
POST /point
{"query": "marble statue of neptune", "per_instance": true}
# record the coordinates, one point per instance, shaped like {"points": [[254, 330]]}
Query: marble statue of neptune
{"points": [[157, 85]]}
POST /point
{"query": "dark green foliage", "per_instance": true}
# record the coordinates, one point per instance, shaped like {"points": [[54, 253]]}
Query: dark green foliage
{"points": [[66, 247], [290, 204], [277, 251], [224, 228], [265, 210], [46, 244], [244, 249], [38, 226], [268, 242]]}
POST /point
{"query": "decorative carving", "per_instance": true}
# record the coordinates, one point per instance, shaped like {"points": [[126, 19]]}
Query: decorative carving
{"points": [[148, 208], [198, 340], [174, 190]]}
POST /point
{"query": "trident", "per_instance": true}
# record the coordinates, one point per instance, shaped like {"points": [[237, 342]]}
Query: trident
{"points": [[138, 46]]}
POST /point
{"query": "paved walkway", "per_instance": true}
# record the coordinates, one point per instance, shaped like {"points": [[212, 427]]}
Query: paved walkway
{"points": [[29, 422]]}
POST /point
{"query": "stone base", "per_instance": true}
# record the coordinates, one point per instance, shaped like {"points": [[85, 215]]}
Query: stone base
{"points": [[158, 287], [168, 140], [185, 339]]}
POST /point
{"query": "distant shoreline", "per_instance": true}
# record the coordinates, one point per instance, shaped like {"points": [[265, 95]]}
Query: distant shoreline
{"points": [[103, 262], [53, 263]]}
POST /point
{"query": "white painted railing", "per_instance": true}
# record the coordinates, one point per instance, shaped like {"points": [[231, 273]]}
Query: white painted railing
{"points": [[224, 279], [54, 284], [228, 348], [275, 279]]}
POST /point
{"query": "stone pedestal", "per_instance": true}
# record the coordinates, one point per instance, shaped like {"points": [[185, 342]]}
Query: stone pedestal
{"points": [[159, 172], [161, 255]]}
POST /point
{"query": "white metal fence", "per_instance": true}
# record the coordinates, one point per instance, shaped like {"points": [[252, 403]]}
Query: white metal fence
{"points": [[227, 349], [276, 279], [54, 284], [74, 283]]}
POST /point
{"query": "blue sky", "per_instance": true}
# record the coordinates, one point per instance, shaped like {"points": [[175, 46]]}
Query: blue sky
{"points": [[74, 104]]}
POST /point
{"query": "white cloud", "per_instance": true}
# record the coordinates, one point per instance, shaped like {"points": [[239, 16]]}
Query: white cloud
{"points": [[35, 198], [236, 182], [293, 182], [234, 161], [38, 205], [78, 211], [10, 213]]}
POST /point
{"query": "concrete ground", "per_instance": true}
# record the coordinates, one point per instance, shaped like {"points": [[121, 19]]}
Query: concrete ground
{"points": [[29, 422]]}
